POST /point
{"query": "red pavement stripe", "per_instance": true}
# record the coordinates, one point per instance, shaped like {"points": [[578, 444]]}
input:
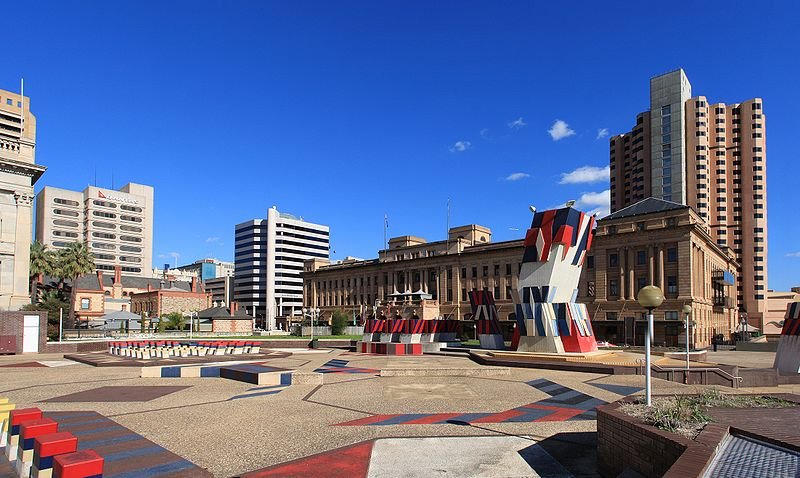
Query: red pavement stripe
{"points": [[435, 418], [559, 414], [498, 417], [348, 462], [366, 420]]}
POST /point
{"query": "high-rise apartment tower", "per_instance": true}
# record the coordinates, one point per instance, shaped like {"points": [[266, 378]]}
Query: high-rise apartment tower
{"points": [[710, 156]]}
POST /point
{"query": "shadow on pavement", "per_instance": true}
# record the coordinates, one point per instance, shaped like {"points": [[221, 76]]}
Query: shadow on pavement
{"points": [[576, 451]]}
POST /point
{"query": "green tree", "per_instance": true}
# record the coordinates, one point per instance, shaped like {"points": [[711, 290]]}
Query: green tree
{"points": [[74, 261], [42, 263], [51, 301], [339, 321], [174, 321]]}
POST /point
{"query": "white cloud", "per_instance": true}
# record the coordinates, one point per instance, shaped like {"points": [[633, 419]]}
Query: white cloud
{"points": [[560, 130], [460, 146], [212, 239], [586, 174], [602, 133], [793, 254], [595, 202], [485, 133], [517, 176], [517, 123]]}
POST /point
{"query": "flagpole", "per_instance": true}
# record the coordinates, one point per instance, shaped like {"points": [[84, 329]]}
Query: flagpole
{"points": [[385, 243]]}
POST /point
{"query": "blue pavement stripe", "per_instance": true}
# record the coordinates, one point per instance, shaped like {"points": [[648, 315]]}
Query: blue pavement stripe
{"points": [[82, 423], [171, 372], [400, 419], [155, 471], [123, 455], [84, 444], [95, 431], [264, 388], [529, 416], [66, 416], [468, 417], [251, 395]]}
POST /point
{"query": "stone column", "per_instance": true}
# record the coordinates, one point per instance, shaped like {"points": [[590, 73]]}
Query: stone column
{"points": [[621, 255], [651, 273], [22, 251], [661, 269], [631, 275]]}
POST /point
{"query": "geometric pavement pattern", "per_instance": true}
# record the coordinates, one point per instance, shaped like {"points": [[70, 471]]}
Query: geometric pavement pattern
{"points": [[340, 366], [259, 392], [562, 404], [126, 454]]}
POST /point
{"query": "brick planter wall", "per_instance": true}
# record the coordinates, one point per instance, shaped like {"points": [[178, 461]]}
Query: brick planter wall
{"points": [[624, 442]]}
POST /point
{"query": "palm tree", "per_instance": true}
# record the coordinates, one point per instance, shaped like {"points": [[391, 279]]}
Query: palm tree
{"points": [[74, 261], [42, 263]]}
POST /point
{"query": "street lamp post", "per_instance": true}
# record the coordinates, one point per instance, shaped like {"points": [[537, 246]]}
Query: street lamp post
{"points": [[687, 310], [311, 313], [650, 297]]}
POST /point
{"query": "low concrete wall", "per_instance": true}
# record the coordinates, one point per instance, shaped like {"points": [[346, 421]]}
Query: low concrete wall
{"points": [[72, 347], [757, 346]]}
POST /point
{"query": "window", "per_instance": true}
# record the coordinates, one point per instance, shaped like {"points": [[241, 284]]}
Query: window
{"points": [[108, 215], [613, 260], [508, 269], [640, 283], [671, 315], [66, 202], [672, 254], [65, 212], [641, 226], [672, 284], [73, 235], [131, 208], [85, 303], [613, 287], [497, 270], [463, 295], [62, 222], [104, 225], [474, 272], [611, 316], [485, 271], [98, 202], [463, 272], [641, 258], [590, 262]]}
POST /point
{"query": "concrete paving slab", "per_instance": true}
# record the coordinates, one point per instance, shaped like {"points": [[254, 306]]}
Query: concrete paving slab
{"points": [[493, 456]]}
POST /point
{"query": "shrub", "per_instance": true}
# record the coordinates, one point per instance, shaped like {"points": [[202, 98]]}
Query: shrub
{"points": [[339, 322]]}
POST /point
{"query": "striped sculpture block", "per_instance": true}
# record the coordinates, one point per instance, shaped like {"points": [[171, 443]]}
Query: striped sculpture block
{"points": [[78, 464], [15, 419], [28, 431], [46, 448], [5, 411], [390, 348], [787, 357]]}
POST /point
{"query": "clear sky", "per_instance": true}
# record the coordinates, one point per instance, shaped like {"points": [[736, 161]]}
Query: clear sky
{"points": [[342, 111]]}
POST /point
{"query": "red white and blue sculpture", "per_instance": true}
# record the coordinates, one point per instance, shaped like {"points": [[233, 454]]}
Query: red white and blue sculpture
{"points": [[548, 318], [787, 358], [484, 313]]}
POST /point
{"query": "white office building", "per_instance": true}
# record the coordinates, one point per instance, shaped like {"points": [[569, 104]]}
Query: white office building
{"points": [[117, 225], [269, 255]]}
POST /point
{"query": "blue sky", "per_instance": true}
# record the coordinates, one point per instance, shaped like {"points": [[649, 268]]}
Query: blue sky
{"points": [[343, 111]]}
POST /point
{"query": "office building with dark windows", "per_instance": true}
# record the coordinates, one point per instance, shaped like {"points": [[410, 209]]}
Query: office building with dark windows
{"points": [[268, 263]]}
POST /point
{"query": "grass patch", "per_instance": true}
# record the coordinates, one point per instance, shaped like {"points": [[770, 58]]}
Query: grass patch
{"points": [[687, 414]]}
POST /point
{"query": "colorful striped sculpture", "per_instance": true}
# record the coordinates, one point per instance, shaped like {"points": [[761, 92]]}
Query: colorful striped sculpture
{"points": [[484, 312], [548, 318], [787, 358]]}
